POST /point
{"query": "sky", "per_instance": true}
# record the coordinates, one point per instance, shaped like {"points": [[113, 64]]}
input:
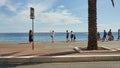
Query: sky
{"points": [[57, 15]]}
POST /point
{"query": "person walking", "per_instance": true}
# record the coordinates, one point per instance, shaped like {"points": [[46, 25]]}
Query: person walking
{"points": [[104, 36], [67, 36], [52, 35]]}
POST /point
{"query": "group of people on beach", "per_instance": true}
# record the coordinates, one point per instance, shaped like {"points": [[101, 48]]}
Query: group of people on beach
{"points": [[106, 36], [72, 36], [52, 34]]}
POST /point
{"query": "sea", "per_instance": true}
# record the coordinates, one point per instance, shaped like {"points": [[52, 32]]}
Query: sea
{"points": [[45, 36]]}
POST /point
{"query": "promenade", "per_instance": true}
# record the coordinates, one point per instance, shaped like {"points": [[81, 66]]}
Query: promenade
{"points": [[21, 52]]}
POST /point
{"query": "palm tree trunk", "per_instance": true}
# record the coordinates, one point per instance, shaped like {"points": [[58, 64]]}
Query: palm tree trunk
{"points": [[92, 25]]}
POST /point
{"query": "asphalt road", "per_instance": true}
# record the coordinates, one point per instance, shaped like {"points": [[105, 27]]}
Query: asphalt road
{"points": [[102, 64]]}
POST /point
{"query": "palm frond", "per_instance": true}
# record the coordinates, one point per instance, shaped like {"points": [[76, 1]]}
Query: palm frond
{"points": [[112, 2]]}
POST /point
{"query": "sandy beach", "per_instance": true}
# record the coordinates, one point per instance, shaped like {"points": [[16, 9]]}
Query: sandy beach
{"points": [[48, 48]]}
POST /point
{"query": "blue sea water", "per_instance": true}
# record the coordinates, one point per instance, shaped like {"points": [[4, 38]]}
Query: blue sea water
{"points": [[44, 37]]}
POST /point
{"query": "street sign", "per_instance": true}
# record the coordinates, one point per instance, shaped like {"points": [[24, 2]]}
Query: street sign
{"points": [[32, 13]]}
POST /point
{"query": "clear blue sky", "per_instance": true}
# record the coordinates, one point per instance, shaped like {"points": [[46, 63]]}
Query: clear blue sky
{"points": [[58, 15]]}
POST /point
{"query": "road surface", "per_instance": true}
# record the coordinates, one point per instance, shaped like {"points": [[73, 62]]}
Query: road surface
{"points": [[102, 64]]}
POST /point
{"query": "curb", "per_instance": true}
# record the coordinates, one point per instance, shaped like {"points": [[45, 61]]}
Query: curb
{"points": [[50, 59]]}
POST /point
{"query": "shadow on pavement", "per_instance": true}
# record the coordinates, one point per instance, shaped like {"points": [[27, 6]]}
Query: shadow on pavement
{"points": [[61, 53], [8, 54]]}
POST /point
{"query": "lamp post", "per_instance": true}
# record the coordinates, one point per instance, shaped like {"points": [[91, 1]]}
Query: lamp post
{"points": [[32, 17]]}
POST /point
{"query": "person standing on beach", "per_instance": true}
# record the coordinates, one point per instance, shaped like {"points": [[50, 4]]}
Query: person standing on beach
{"points": [[104, 36], [67, 36], [30, 36], [110, 36], [52, 35], [72, 36], [118, 34]]}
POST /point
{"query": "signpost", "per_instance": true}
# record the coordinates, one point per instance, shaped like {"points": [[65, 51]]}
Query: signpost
{"points": [[32, 17]]}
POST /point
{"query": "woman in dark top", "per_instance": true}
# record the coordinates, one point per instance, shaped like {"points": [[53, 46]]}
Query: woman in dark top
{"points": [[30, 36]]}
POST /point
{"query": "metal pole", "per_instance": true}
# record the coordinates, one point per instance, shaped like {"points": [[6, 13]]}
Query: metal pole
{"points": [[32, 17], [33, 34]]}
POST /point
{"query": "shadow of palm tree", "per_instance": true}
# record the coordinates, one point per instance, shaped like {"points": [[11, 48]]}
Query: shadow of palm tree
{"points": [[8, 54], [27, 55], [61, 53]]}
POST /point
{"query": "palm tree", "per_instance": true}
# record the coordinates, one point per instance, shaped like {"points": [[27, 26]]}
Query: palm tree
{"points": [[92, 24]]}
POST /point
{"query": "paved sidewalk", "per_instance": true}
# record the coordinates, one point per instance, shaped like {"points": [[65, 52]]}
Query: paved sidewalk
{"points": [[57, 52]]}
